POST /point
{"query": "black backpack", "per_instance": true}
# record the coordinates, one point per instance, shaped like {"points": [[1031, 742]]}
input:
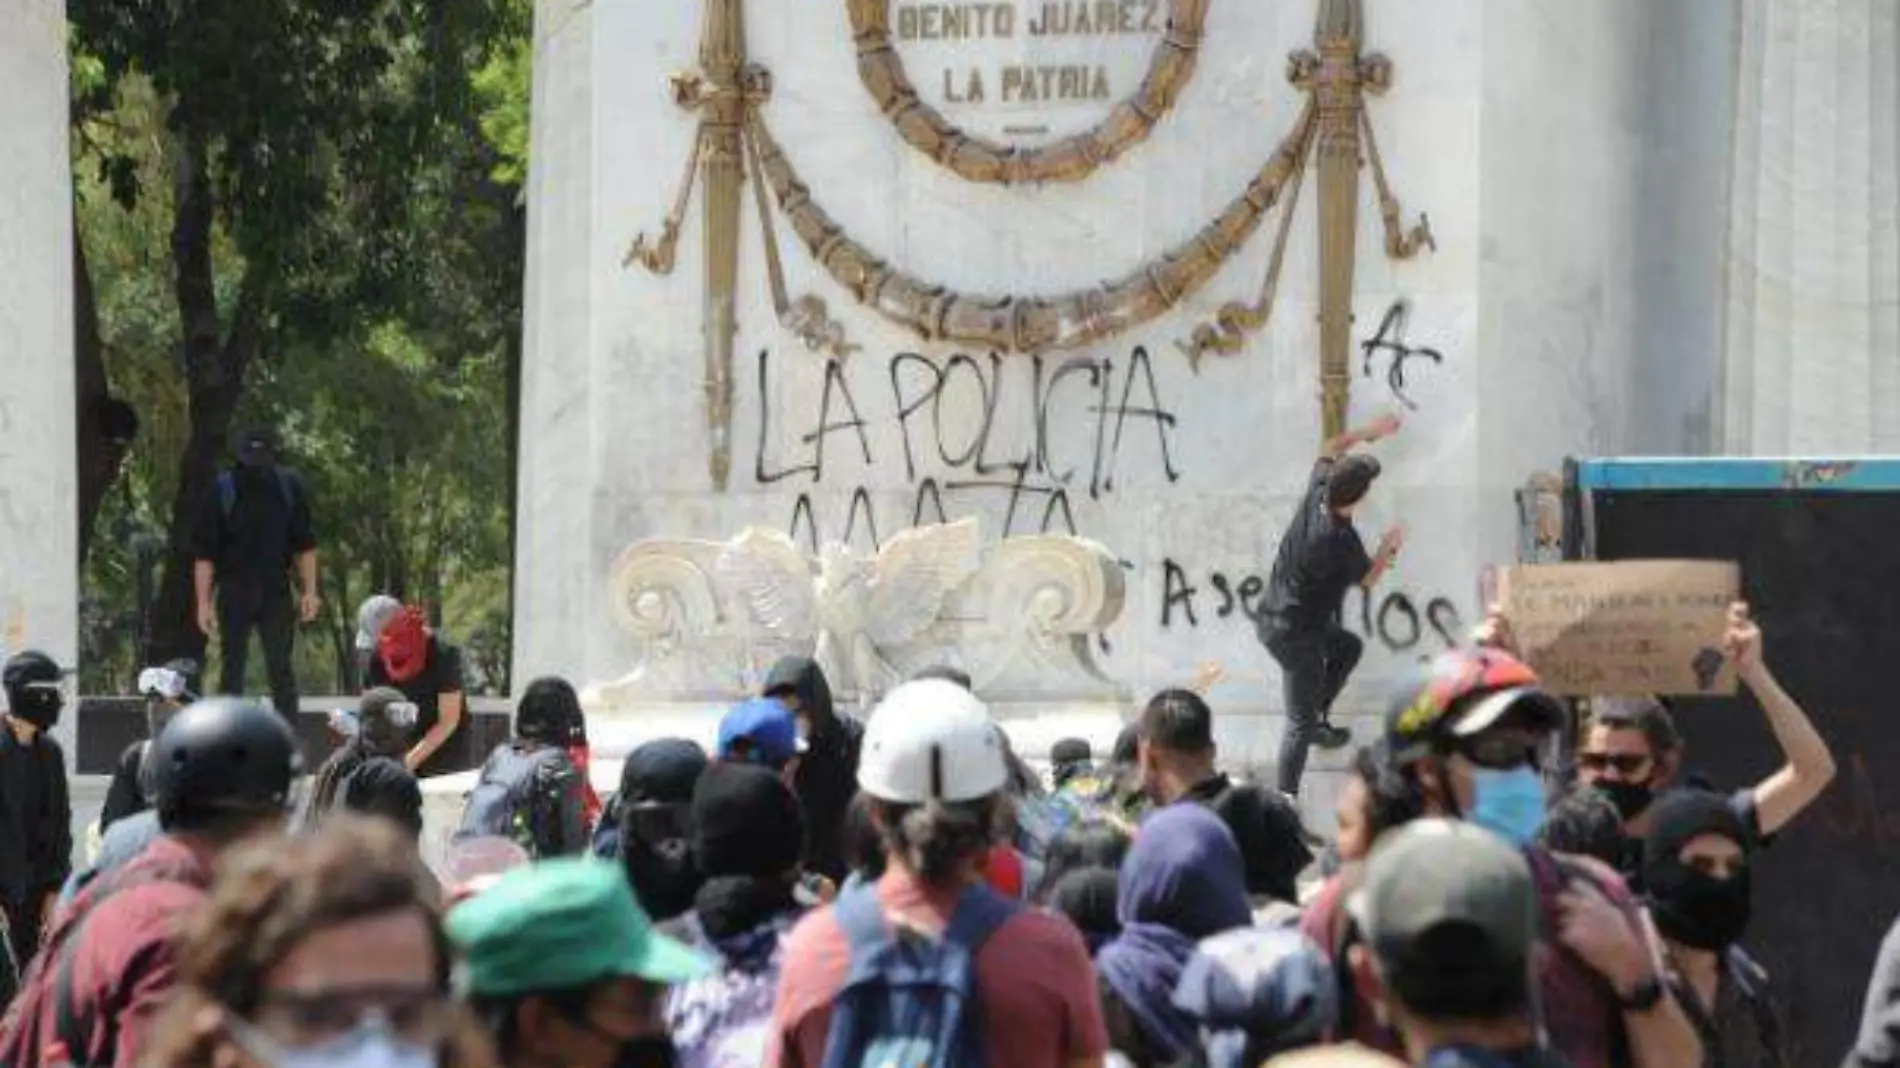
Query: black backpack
{"points": [[518, 798]]}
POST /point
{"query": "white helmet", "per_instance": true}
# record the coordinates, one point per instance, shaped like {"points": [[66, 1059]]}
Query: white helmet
{"points": [[931, 740]]}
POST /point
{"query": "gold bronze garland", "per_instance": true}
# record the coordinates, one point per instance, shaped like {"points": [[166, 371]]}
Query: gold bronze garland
{"points": [[1028, 324], [1071, 159], [732, 142]]}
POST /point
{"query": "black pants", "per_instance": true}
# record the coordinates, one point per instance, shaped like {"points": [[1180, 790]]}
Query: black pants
{"points": [[23, 928], [1315, 663], [270, 613]]}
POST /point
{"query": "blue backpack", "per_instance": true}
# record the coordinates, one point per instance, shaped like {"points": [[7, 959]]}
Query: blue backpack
{"points": [[909, 1000]]}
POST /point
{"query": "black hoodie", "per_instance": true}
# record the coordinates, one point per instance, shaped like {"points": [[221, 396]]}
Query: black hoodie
{"points": [[827, 776]]}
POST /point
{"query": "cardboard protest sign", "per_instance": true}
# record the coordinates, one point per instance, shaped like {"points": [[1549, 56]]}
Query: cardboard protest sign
{"points": [[1632, 627]]}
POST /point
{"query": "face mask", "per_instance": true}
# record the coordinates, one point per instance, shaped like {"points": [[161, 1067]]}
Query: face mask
{"points": [[37, 703], [653, 1051], [369, 1045], [1698, 909], [647, 1051], [404, 646], [1509, 803], [1630, 798]]}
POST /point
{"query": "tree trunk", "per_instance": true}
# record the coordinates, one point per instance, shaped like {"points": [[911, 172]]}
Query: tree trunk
{"points": [[214, 375], [343, 631], [102, 440]]}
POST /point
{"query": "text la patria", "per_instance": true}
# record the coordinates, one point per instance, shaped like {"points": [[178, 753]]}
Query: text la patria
{"points": [[1028, 82]]}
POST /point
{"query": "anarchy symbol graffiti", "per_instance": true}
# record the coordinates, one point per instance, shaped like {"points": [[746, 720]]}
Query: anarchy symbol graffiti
{"points": [[1389, 341]]}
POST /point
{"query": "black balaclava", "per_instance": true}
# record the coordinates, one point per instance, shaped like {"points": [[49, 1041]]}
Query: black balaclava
{"points": [[1692, 907], [748, 836], [32, 682], [656, 792]]}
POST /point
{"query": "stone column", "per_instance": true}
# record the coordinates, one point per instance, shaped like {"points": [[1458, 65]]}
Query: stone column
{"points": [[554, 477], [39, 568], [1812, 360]]}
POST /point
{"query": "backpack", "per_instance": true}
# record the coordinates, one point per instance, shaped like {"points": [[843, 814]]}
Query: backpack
{"points": [[909, 999], [227, 492], [517, 798]]}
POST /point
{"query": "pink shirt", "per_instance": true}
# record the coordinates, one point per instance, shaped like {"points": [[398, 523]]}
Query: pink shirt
{"points": [[1041, 1008]]}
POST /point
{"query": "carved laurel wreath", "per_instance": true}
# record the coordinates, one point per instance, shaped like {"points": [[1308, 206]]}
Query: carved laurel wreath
{"points": [[1071, 159]]}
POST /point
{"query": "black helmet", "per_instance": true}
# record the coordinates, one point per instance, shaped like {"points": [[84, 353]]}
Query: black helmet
{"points": [[222, 754]]}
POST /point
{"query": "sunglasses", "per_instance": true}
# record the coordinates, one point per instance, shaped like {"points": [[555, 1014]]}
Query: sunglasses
{"points": [[1624, 763], [1499, 753]]}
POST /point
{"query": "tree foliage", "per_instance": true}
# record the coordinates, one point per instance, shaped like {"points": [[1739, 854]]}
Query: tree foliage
{"points": [[290, 217]]}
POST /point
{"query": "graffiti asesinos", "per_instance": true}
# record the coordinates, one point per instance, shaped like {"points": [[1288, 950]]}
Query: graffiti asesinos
{"points": [[1394, 619]]}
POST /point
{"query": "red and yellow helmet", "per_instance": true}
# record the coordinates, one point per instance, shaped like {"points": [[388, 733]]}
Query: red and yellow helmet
{"points": [[1461, 693]]}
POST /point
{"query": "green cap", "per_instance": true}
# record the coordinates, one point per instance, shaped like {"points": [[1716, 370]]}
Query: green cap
{"points": [[561, 924]]}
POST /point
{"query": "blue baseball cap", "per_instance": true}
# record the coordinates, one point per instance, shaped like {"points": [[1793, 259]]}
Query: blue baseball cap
{"points": [[766, 726]]}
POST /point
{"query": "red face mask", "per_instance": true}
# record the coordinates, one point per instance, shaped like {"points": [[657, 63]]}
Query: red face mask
{"points": [[404, 645]]}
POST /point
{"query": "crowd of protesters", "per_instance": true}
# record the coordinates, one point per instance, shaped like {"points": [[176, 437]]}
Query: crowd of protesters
{"points": [[823, 891]]}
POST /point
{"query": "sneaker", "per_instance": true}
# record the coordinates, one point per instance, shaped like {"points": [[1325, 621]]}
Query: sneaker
{"points": [[1331, 737]]}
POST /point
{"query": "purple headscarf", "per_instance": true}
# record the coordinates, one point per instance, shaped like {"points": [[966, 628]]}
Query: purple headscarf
{"points": [[1182, 881]]}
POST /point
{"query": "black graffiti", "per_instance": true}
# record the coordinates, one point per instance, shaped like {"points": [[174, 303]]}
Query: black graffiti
{"points": [[1245, 599], [835, 383], [1390, 340], [1176, 592], [805, 516], [1399, 625], [1395, 621], [945, 414], [936, 438], [1026, 509]]}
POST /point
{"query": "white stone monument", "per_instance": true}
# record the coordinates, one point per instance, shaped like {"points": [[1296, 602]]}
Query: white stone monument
{"points": [[39, 569], [1554, 145]]}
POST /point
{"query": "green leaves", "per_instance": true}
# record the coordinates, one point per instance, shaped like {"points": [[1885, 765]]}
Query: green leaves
{"points": [[505, 86], [353, 181]]}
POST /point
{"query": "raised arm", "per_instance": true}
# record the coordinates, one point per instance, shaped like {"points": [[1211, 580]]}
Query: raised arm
{"points": [[1382, 558], [1810, 767], [1618, 945], [1378, 430]]}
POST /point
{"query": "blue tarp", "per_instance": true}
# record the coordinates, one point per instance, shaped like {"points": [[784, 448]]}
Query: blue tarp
{"points": [[1868, 474]]}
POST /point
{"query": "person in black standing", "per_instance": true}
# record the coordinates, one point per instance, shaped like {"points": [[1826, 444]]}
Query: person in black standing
{"points": [[255, 526], [1320, 558], [36, 818], [412, 658], [1176, 760]]}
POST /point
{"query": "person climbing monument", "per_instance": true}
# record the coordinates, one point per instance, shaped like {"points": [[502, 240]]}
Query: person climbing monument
{"points": [[1320, 558]]}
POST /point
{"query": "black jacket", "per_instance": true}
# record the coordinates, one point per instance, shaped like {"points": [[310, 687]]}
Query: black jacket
{"points": [[125, 796], [1266, 826], [827, 776], [36, 818]]}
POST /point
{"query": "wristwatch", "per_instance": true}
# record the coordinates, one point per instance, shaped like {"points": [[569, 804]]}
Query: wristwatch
{"points": [[1644, 997]]}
